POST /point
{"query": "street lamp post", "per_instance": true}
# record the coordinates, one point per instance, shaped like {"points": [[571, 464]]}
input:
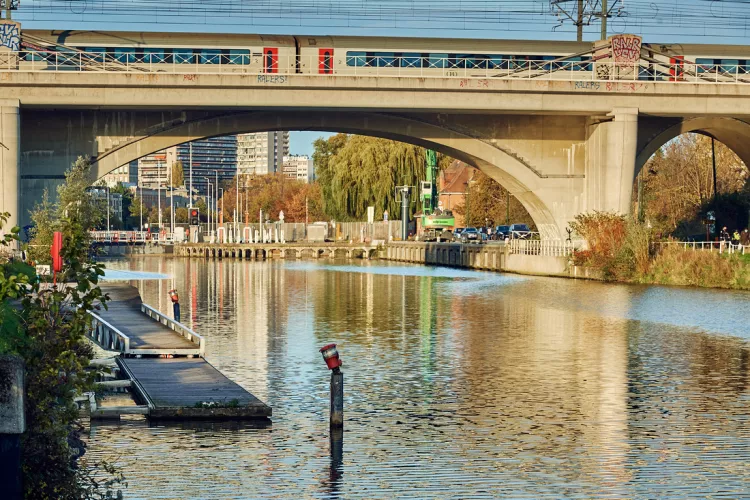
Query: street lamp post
{"points": [[108, 226], [208, 204], [171, 199], [141, 210], [158, 190], [220, 219]]}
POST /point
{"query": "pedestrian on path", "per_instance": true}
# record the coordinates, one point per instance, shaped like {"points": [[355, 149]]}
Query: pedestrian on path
{"points": [[736, 237], [745, 238], [724, 235]]}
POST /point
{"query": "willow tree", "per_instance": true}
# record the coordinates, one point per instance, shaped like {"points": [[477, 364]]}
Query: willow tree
{"points": [[356, 172]]}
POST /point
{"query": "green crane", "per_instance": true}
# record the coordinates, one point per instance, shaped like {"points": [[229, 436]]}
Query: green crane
{"points": [[434, 220]]}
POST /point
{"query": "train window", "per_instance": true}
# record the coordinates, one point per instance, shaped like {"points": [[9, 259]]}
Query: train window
{"points": [[706, 65], [457, 60], [411, 60], [124, 54], [730, 66], [182, 56], [210, 56], [96, 50], [437, 60], [499, 62], [154, 56], [354, 58], [386, 60], [239, 56], [478, 61]]}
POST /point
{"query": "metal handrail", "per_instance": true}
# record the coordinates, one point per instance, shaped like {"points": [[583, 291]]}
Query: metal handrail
{"points": [[175, 326], [720, 246], [503, 68], [104, 339]]}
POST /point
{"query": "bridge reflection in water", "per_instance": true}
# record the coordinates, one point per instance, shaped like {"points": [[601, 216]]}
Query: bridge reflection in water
{"points": [[458, 382]]}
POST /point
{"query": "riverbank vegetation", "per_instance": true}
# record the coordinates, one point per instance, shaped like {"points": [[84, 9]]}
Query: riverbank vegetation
{"points": [[623, 250], [46, 327], [677, 188]]}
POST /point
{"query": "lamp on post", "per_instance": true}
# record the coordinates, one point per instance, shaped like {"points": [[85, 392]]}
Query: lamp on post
{"points": [[208, 204]]}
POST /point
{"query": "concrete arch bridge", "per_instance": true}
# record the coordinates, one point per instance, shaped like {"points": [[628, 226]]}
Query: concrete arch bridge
{"points": [[561, 147]]}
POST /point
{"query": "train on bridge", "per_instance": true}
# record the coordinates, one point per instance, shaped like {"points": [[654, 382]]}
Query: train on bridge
{"points": [[324, 55]]}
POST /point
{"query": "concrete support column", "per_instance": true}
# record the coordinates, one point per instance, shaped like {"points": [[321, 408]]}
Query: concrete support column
{"points": [[10, 156], [610, 161]]}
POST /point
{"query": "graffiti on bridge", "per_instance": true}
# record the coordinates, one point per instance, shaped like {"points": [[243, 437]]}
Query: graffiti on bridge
{"points": [[10, 35]]}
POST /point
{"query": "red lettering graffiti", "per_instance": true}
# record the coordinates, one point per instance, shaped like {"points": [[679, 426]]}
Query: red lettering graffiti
{"points": [[626, 48]]}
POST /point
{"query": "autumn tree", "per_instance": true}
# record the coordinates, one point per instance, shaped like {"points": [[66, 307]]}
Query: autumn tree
{"points": [[677, 184], [177, 177], [487, 201]]}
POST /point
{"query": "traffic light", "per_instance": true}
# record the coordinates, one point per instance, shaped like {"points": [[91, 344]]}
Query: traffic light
{"points": [[195, 216]]}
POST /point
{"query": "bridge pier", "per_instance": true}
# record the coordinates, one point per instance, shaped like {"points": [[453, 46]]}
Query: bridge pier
{"points": [[611, 149], [10, 151]]}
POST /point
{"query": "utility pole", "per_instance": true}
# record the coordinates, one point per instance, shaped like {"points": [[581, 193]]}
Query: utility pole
{"points": [[605, 14], [713, 161], [579, 21]]}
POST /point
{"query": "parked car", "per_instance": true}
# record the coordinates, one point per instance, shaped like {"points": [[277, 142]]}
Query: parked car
{"points": [[457, 232], [519, 231], [501, 232], [470, 235]]}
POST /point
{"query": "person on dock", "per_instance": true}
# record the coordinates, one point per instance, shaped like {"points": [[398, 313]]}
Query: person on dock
{"points": [[175, 304]]}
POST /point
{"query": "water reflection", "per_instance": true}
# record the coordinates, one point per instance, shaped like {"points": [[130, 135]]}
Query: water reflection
{"points": [[457, 384]]}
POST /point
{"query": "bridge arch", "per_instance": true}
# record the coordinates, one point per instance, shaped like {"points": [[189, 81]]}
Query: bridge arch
{"points": [[517, 177], [733, 133]]}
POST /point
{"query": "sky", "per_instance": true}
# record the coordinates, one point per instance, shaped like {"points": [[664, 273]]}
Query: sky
{"points": [[666, 21]]}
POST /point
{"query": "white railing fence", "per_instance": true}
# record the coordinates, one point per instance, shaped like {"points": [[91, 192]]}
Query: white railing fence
{"points": [[275, 70], [708, 246], [107, 336], [176, 326], [547, 248]]}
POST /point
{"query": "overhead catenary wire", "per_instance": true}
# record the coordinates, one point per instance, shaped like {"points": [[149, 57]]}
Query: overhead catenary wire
{"points": [[697, 18]]}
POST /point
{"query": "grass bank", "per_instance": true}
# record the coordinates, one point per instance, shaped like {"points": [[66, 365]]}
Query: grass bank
{"points": [[621, 249]]}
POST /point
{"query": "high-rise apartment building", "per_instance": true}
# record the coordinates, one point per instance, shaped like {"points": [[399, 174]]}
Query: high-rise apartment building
{"points": [[262, 152], [126, 174], [209, 157], [298, 167]]}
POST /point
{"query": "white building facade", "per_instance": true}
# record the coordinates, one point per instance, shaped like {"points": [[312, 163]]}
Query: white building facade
{"points": [[262, 152], [299, 167]]}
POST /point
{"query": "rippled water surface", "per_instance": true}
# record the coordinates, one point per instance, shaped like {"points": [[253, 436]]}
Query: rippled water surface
{"points": [[458, 384]]}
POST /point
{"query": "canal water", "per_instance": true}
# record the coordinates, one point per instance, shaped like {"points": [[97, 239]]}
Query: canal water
{"points": [[458, 384]]}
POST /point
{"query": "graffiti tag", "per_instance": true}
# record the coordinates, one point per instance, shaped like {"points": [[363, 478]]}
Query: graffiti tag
{"points": [[271, 79], [10, 35], [481, 84], [626, 48], [190, 78], [588, 85]]}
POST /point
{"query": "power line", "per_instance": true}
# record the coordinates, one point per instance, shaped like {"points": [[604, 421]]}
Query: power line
{"points": [[697, 18]]}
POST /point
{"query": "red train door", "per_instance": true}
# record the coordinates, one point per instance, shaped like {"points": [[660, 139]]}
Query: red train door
{"points": [[270, 59], [325, 61], [676, 68]]}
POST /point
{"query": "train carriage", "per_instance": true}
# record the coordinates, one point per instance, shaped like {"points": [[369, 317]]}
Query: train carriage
{"points": [[376, 56]]}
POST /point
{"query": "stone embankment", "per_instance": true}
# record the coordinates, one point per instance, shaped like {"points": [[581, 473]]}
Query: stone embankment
{"points": [[489, 257]]}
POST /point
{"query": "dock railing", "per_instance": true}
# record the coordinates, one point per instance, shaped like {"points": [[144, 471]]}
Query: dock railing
{"points": [[176, 327], [107, 336], [547, 248]]}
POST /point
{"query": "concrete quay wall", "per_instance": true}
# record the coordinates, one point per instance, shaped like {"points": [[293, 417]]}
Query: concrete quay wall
{"points": [[275, 251], [493, 257]]}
